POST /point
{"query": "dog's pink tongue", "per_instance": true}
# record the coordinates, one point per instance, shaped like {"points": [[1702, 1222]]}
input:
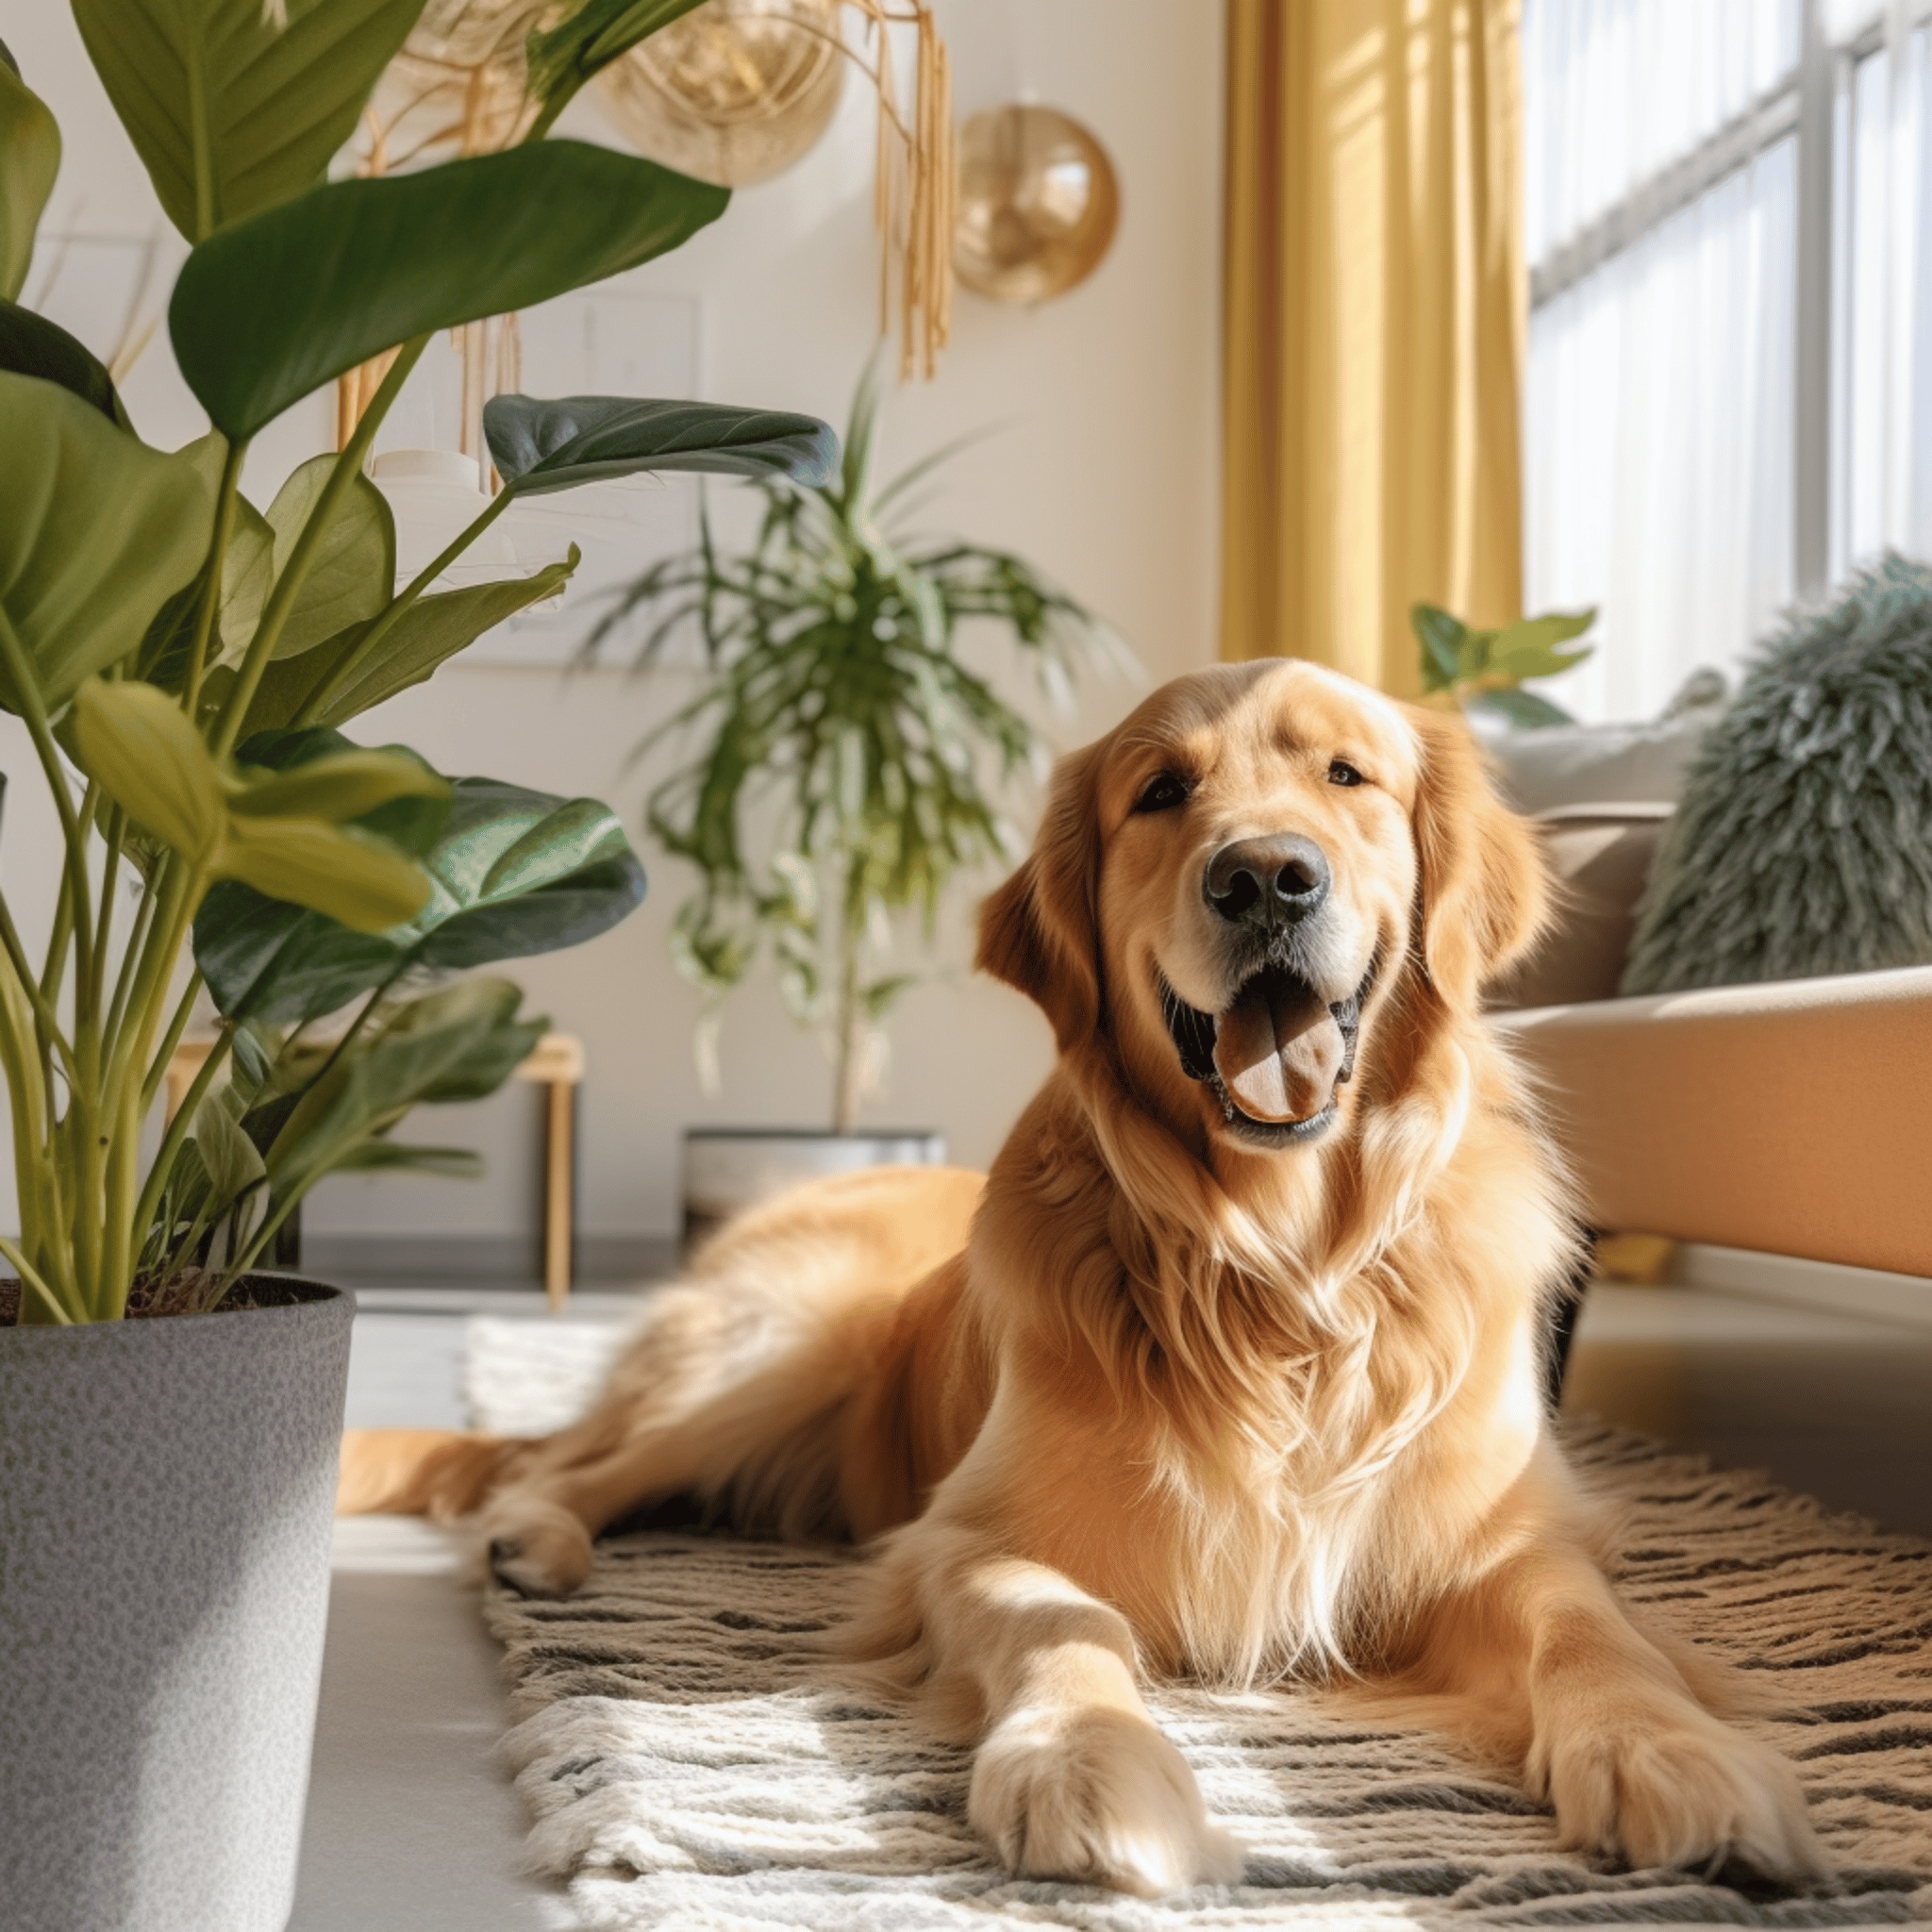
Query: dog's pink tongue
{"points": [[1277, 1050]]}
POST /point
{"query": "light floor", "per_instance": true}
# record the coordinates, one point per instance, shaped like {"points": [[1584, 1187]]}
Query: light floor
{"points": [[411, 1827]]}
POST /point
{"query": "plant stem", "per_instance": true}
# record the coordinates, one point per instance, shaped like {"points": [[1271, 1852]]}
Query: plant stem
{"points": [[117, 839], [157, 1070], [356, 1024], [287, 587], [30, 1279], [64, 907], [546, 115], [177, 1131], [122, 1089], [386, 619], [47, 1022], [131, 959], [36, 1171], [211, 575], [34, 711], [849, 1068]]}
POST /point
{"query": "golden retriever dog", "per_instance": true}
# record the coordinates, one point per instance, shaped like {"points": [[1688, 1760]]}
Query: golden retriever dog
{"points": [[1230, 1369]]}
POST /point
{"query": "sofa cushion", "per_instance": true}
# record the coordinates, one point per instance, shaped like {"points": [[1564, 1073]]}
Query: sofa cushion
{"points": [[1550, 767], [1803, 841], [1601, 857]]}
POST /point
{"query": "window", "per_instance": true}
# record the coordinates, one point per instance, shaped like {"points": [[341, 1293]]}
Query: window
{"points": [[1730, 393]]}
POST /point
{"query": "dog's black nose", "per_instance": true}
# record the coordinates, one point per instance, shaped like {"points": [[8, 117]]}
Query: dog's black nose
{"points": [[1267, 882]]}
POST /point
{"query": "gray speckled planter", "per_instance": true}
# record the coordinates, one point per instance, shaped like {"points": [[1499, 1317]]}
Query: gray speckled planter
{"points": [[165, 1492]]}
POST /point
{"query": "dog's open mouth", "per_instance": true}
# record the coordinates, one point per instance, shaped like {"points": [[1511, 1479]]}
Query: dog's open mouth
{"points": [[1274, 1056]]}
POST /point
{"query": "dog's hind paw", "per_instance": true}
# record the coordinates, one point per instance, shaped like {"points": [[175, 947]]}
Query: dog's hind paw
{"points": [[539, 1550], [1098, 1796]]}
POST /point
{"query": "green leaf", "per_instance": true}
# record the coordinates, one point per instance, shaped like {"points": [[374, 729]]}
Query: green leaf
{"points": [[556, 446], [339, 786], [1441, 636], [230, 1159], [1528, 647], [30, 160], [879, 998], [431, 631], [248, 574], [32, 345], [229, 112], [97, 532], [152, 763], [404, 1157], [1521, 707], [591, 36], [337, 871], [436, 1048], [514, 872], [276, 306], [352, 573]]}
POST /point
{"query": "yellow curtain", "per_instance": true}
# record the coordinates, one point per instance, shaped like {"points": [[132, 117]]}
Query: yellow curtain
{"points": [[1375, 327]]}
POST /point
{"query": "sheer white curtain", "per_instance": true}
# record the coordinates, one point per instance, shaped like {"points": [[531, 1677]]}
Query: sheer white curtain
{"points": [[1616, 91], [1882, 494], [1659, 427], [1658, 416]]}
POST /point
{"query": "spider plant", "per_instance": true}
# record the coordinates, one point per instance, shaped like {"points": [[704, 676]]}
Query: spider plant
{"points": [[839, 764]]}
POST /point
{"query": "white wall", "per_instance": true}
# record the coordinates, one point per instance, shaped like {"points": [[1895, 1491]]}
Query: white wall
{"points": [[1106, 479]]}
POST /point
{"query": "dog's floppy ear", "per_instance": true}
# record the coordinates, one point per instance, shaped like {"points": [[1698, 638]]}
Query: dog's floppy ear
{"points": [[1040, 931], [1485, 894]]}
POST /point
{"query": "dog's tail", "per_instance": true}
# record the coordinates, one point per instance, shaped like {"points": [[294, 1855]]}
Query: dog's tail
{"points": [[439, 1472]]}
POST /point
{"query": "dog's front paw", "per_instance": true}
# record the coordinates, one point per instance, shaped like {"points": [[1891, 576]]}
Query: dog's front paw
{"points": [[1098, 1796], [1679, 1790], [537, 1548]]}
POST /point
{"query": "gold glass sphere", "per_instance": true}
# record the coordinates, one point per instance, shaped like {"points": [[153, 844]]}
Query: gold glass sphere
{"points": [[735, 91], [1038, 204]]}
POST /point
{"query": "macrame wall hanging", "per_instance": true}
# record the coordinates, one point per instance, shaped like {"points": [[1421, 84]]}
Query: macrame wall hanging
{"points": [[734, 91]]}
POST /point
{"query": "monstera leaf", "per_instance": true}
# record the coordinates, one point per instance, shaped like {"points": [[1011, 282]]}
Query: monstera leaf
{"points": [[97, 532], [539, 446], [275, 307], [512, 872], [229, 109]]}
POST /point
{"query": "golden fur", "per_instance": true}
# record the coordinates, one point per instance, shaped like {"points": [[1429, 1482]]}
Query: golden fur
{"points": [[1180, 1392]]}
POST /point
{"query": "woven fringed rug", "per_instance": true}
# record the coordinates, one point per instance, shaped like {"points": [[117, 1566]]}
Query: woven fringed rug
{"points": [[689, 1764]]}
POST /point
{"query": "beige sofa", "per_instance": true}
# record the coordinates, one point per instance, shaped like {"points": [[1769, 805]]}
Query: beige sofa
{"points": [[1793, 1117]]}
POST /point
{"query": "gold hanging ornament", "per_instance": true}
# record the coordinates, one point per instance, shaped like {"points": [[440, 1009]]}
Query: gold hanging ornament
{"points": [[1038, 204], [734, 93]]}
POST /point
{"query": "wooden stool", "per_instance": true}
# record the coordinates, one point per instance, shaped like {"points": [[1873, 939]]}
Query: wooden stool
{"points": [[558, 1063]]}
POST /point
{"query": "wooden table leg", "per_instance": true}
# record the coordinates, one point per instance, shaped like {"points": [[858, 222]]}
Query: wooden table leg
{"points": [[559, 1190]]}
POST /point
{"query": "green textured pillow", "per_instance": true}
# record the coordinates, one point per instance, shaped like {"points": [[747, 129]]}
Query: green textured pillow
{"points": [[1803, 841]]}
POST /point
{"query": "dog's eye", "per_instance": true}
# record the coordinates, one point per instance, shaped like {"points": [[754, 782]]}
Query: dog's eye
{"points": [[1163, 794], [1342, 773]]}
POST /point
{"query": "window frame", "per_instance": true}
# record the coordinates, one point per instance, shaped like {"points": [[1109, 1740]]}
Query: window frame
{"points": [[1812, 101]]}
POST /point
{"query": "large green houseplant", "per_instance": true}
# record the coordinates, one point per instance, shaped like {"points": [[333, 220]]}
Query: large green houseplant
{"points": [[184, 663], [839, 762]]}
